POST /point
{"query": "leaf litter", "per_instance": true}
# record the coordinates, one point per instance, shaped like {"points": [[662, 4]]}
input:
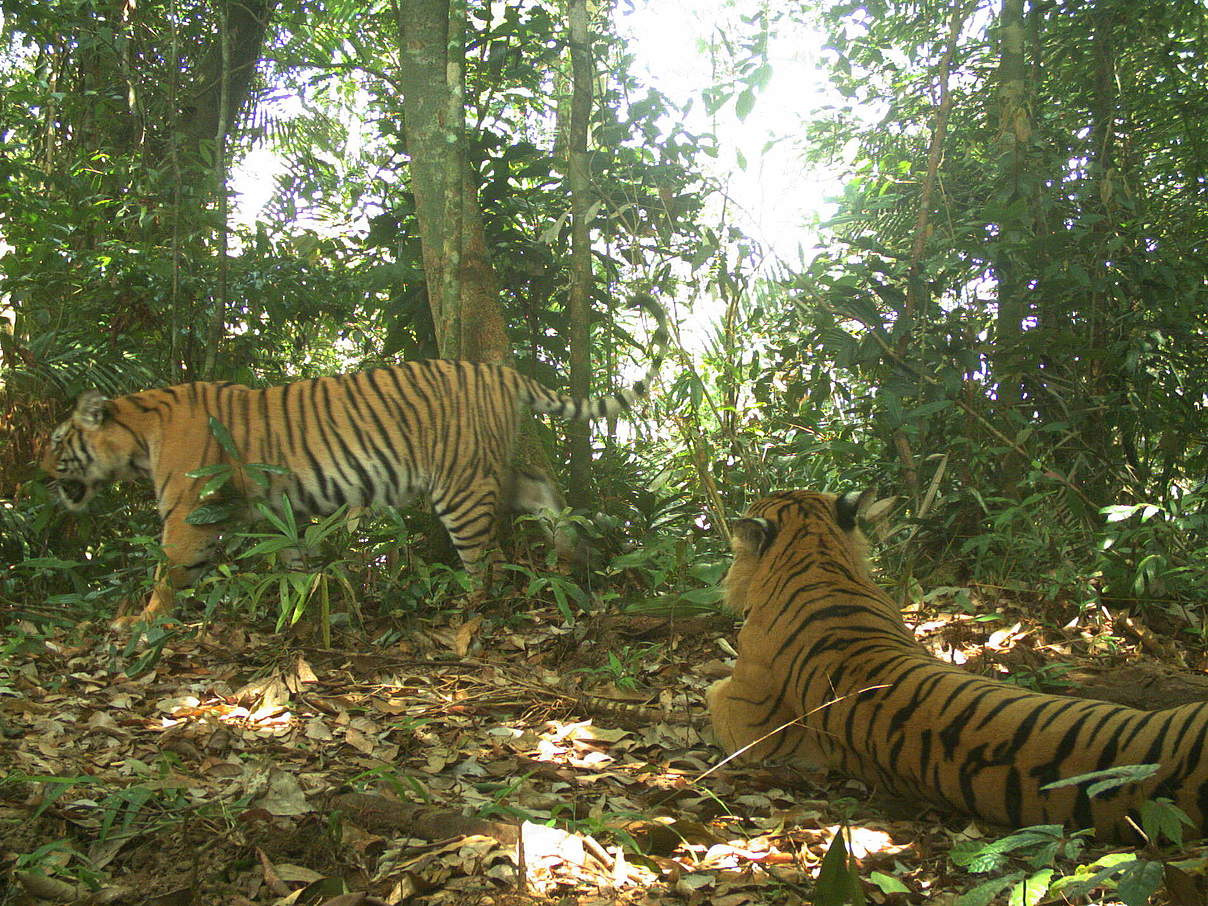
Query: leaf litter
{"points": [[467, 763]]}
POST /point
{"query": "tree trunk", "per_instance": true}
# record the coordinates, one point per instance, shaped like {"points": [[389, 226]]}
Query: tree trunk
{"points": [[205, 115], [579, 301], [917, 296], [1101, 363], [164, 131], [454, 165], [1011, 274], [465, 305], [470, 324], [217, 327]]}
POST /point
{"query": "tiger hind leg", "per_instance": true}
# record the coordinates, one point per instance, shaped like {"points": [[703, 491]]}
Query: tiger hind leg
{"points": [[470, 514], [533, 492]]}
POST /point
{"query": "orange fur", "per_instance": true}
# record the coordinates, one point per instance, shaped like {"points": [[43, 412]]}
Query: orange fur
{"points": [[824, 654]]}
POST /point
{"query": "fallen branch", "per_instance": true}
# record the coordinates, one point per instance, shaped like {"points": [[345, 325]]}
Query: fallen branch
{"points": [[378, 814]]}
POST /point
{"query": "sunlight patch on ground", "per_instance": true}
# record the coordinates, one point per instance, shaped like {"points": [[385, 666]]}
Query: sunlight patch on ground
{"points": [[266, 718]]}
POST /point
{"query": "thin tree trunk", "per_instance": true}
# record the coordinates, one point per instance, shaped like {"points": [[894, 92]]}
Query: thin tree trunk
{"points": [[916, 291], [1010, 358], [1014, 133], [917, 300], [217, 326], [1101, 363], [579, 302], [449, 327], [175, 321]]}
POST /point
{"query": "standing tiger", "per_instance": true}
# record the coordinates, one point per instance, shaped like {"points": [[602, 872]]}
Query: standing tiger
{"points": [[439, 428], [829, 674]]}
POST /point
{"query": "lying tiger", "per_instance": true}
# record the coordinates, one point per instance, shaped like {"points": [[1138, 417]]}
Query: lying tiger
{"points": [[439, 428], [824, 655]]}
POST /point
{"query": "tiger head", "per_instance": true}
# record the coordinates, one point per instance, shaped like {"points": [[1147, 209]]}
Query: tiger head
{"points": [[777, 531], [90, 450]]}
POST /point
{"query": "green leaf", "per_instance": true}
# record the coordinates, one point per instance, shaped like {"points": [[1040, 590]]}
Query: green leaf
{"points": [[633, 558], [213, 513], [223, 436], [1107, 779], [980, 856], [268, 546], [1096, 875], [563, 605], [888, 884], [701, 595], [918, 413], [745, 103], [259, 472], [214, 485], [984, 893], [1162, 819], [1031, 890], [838, 884], [47, 563], [761, 76], [1119, 513], [281, 519], [217, 468], [1139, 882]]}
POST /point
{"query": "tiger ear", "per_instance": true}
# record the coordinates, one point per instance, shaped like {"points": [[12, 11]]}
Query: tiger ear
{"points": [[91, 409], [860, 505], [852, 506], [751, 536]]}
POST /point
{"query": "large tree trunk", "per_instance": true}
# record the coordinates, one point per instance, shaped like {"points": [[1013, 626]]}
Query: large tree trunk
{"points": [[470, 323], [161, 114], [466, 310], [229, 70], [579, 301]]}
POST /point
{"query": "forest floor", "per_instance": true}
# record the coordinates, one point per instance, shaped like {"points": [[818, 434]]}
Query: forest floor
{"points": [[489, 761]]}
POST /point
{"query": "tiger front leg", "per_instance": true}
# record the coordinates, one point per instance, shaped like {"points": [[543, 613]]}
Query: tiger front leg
{"points": [[188, 552], [751, 719]]}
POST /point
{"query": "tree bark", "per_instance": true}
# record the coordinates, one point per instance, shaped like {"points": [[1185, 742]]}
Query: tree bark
{"points": [[579, 300], [218, 312], [205, 115], [1010, 359], [917, 296], [1101, 363], [454, 165], [1014, 133], [470, 325]]}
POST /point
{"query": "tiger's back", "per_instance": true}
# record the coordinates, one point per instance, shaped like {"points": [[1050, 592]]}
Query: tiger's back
{"points": [[824, 653], [380, 436]]}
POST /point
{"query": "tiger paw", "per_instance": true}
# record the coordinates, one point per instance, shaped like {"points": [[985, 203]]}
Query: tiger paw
{"points": [[127, 622]]}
